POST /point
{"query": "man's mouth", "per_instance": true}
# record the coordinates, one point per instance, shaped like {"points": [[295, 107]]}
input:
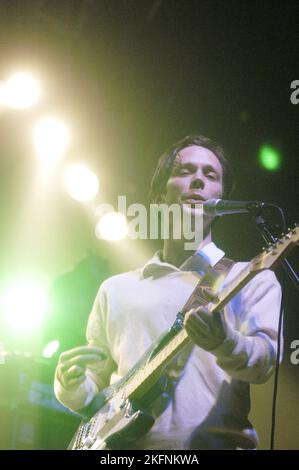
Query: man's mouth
{"points": [[193, 199]]}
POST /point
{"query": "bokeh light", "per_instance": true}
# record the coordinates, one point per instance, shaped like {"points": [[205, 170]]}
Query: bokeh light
{"points": [[270, 158], [20, 91], [51, 139], [112, 227], [24, 305], [81, 183], [50, 349]]}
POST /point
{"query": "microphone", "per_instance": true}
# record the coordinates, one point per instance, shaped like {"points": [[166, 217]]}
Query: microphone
{"points": [[219, 207]]}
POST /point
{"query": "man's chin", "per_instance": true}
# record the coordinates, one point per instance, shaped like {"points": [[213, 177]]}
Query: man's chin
{"points": [[195, 210], [196, 216]]}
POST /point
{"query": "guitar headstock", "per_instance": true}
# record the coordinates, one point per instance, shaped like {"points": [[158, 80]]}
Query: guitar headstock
{"points": [[272, 254]]}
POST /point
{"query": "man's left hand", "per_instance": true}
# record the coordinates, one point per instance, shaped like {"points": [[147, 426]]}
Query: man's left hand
{"points": [[205, 328]]}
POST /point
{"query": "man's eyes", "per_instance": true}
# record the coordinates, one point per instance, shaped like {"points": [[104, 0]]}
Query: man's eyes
{"points": [[185, 171], [181, 171], [211, 176]]}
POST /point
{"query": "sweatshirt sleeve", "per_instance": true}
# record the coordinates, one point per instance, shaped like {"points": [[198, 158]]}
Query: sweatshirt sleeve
{"points": [[98, 375], [249, 351]]}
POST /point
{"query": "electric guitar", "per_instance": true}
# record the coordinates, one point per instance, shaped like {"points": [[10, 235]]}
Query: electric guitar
{"points": [[118, 415]]}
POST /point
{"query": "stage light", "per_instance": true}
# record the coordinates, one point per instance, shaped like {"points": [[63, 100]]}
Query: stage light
{"points": [[50, 349], [270, 158], [24, 305], [112, 227], [20, 91], [81, 183], [51, 139]]}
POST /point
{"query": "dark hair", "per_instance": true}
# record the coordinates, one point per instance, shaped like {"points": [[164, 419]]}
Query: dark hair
{"points": [[166, 161]]}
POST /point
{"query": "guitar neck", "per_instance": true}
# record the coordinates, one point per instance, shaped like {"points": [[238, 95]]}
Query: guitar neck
{"points": [[145, 376], [142, 380]]}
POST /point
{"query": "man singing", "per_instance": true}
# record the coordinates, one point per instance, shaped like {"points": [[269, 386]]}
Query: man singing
{"points": [[208, 393]]}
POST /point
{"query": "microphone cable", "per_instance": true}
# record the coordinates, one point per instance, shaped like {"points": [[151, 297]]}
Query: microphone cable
{"points": [[277, 364]]}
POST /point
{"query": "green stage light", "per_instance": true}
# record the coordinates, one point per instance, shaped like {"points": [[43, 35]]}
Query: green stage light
{"points": [[270, 158], [24, 305]]}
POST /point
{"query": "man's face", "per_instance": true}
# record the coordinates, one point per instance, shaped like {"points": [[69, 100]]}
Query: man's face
{"points": [[197, 175]]}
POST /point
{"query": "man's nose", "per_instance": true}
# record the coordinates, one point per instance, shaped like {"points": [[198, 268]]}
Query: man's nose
{"points": [[197, 181]]}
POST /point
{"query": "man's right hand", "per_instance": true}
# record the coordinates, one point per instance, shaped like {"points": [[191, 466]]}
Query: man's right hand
{"points": [[72, 365]]}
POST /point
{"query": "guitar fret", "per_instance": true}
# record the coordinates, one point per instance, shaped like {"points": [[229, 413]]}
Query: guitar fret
{"points": [[172, 348]]}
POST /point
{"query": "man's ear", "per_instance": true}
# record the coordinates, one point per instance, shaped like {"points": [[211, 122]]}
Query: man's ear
{"points": [[162, 198]]}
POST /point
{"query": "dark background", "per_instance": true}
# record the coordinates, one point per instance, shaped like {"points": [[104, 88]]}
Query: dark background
{"points": [[130, 78]]}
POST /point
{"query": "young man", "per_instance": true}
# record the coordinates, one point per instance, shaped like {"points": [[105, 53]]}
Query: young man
{"points": [[208, 394]]}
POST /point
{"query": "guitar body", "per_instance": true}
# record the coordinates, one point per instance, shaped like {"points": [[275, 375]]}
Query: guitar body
{"points": [[124, 428], [118, 422], [113, 420]]}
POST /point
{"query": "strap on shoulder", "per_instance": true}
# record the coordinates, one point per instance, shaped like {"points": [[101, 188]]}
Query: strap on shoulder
{"points": [[209, 280]]}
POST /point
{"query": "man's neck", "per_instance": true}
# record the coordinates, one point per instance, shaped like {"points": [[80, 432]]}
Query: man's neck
{"points": [[174, 252]]}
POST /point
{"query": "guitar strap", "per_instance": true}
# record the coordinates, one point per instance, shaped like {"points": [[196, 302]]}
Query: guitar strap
{"points": [[210, 277]]}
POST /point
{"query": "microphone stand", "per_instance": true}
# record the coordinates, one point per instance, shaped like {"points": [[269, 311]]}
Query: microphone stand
{"points": [[293, 276], [269, 239]]}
